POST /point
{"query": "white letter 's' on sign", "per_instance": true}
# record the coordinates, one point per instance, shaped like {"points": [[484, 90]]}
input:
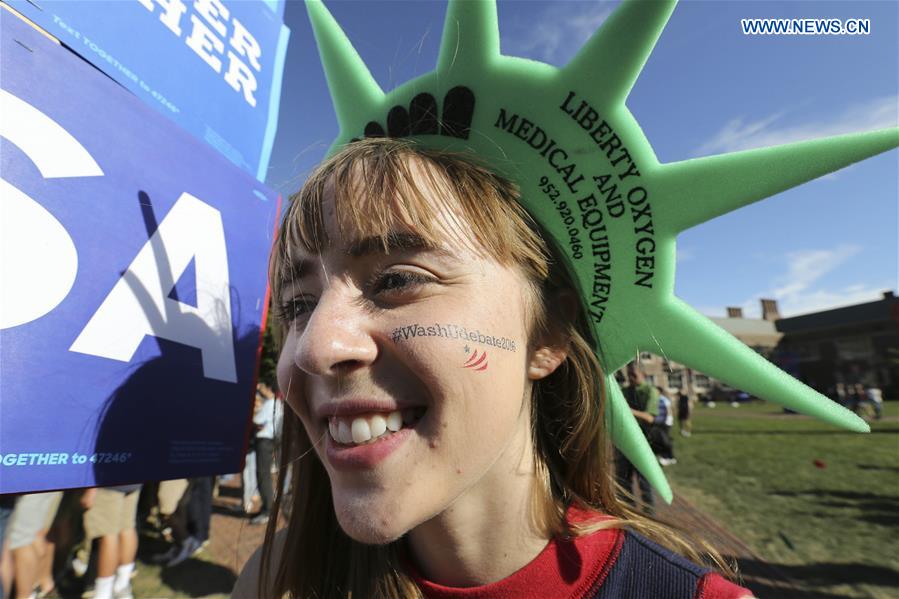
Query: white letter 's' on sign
{"points": [[139, 305], [38, 260]]}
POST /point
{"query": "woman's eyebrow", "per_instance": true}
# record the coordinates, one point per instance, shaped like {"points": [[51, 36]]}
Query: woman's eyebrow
{"points": [[295, 270], [393, 242], [299, 268]]}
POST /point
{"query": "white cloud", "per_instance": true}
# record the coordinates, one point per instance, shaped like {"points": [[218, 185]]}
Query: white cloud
{"points": [[738, 134], [557, 33], [799, 289], [805, 267], [684, 255], [826, 299]]}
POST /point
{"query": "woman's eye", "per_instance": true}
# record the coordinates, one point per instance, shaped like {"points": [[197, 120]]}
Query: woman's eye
{"points": [[398, 280], [295, 308]]}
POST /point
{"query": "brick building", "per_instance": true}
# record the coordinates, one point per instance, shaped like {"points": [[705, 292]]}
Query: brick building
{"points": [[852, 344], [758, 333]]}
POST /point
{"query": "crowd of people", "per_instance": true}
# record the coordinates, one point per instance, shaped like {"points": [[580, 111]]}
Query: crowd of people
{"points": [[655, 411], [859, 397], [91, 535]]}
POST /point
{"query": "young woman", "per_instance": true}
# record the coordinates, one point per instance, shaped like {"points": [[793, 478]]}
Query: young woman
{"points": [[446, 428]]}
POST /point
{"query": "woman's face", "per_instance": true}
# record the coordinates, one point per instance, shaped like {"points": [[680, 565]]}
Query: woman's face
{"points": [[408, 369]]}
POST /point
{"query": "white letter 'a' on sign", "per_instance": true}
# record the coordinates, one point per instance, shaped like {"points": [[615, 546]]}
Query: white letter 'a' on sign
{"points": [[139, 305], [38, 260]]}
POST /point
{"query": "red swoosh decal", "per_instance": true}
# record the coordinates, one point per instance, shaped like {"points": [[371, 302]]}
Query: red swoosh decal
{"points": [[484, 367], [481, 359], [472, 357]]}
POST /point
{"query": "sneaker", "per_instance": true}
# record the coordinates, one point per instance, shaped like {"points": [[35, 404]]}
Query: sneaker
{"points": [[79, 567], [260, 518], [187, 549], [88, 592], [124, 593], [200, 546], [164, 557]]}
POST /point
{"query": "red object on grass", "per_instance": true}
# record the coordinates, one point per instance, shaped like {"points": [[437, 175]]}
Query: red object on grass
{"points": [[820, 464]]}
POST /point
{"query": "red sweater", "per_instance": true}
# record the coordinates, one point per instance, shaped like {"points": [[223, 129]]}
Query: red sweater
{"points": [[583, 567]]}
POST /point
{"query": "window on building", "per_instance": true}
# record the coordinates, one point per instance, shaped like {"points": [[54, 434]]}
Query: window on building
{"points": [[857, 348], [676, 379], [645, 356], [651, 379], [701, 380]]}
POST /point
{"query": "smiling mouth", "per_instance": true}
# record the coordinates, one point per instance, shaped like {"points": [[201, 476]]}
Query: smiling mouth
{"points": [[364, 429]]}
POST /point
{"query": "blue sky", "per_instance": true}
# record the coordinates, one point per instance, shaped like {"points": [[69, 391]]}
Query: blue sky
{"points": [[706, 89]]}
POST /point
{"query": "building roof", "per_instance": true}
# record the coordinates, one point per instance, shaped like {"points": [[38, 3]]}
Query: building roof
{"points": [[876, 311], [751, 331]]}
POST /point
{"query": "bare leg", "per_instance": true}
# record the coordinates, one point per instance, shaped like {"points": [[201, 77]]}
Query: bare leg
{"points": [[127, 546], [108, 559], [25, 561], [45, 569], [6, 570]]}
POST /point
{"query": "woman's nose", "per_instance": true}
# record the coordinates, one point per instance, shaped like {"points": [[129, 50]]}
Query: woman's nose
{"points": [[336, 338]]}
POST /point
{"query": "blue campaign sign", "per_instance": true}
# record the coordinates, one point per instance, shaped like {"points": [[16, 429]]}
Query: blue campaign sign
{"points": [[132, 282], [212, 66]]}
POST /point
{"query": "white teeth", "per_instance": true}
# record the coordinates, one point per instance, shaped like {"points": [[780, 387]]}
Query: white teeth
{"points": [[394, 421], [361, 430], [378, 425], [343, 433]]}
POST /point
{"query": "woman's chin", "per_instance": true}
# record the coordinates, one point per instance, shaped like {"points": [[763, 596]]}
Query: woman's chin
{"points": [[369, 523]]}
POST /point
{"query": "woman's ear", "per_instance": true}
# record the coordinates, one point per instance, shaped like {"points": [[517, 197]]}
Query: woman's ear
{"points": [[553, 350], [545, 361]]}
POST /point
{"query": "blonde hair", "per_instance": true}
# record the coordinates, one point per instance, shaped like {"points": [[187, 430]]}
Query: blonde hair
{"points": [[376, 184]]}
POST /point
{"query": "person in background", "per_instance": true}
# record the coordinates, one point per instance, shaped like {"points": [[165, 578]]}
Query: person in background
{"points": [[32, 554], [684, 414], [190, 523], [660, 432], [841, 397], [168, 496], [199, 509], [249, 490], [7, 504], [643, 400], [111, 516], [264, 421], [874, 396]]}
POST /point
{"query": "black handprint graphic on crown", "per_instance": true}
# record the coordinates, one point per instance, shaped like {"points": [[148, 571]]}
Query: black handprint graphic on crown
{"points": [[421, 118]]}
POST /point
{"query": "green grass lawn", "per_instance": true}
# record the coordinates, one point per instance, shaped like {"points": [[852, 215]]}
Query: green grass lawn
{"points": [[833, 525], [196, 578]]}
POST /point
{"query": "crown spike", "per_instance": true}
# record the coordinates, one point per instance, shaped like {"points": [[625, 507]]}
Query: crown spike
{"points": [[353, 89], [621, 46], [629, 439], [470, 36], [692, 339], [698, 190]]}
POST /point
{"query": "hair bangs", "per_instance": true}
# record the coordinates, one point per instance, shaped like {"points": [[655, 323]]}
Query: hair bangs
{"points": [[379, 187]]}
